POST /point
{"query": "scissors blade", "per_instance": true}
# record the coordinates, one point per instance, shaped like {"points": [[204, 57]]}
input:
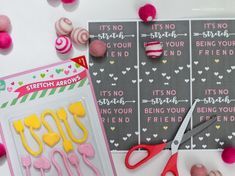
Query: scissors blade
{"points": [[180, 133], [199, 129]]}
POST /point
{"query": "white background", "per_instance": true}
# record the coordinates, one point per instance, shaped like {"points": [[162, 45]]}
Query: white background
{"points": [[34, 35]]}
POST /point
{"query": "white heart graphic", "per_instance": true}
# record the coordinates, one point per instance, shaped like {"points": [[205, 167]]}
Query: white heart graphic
{"points": [[128, 68], [94, 73], [151, 80], [181, 68], [216, 73], [147, 72], [124, 138], [200, 138], [154, 69], [168, 77], [123, 72], [195, 62], [91, 64], [199, 72], [229, 70], [110, 75], [128, 135], [163, 74], [144, 129], [133, 81], [115, 78], [186, 80], [155, 135], [221, 77], [98, 81], [143, 63], [218, 83], [207, 68], [217, 139], [177, 71], [148, 139], [111, 141], [166, 83], [204, 146], [203, 79]]}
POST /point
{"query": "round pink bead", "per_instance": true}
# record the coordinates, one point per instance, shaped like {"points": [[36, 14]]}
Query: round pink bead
{"points": [[68, 1], [147, 13], [5, 40], [63, 45], [2, 150], [98, 48], [5, 23], [228, 155], [198, 170]]}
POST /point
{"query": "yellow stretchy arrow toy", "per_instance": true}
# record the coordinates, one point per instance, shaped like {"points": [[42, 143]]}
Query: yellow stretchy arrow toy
{"points": [[32, 122], [52, 138], [78, 110], [61, 113]]}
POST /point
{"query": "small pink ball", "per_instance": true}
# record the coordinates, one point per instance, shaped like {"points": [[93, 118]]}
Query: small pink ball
{"points": [[147, 13], [63, 45], [98, 48], [5, 40], [2, 150], [5, 23], [198, 170], [68, 1], [63, 26], [228, 155]]}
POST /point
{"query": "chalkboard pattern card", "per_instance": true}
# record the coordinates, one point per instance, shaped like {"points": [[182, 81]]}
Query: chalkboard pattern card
{"points": [[115, 81], [165, 82], [213, 56]]}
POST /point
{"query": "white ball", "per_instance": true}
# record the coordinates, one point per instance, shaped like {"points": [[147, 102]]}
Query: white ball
{"points": [[153, 49], [63, 45], [80, 36], [63, 26]]}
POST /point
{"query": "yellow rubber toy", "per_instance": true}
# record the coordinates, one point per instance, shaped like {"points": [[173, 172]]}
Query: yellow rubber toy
{"points": [[67, 144], [32, 122], [61, 113], [78, 111]]}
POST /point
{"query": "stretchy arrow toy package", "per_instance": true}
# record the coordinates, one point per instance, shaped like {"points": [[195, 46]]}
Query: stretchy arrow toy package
{"points": [[50, 123]]}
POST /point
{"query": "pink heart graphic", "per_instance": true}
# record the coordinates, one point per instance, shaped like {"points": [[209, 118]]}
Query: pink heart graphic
{"points": [[75, 71], [47, 70], [9, 89], [13, 83], [66, 72], [70, 66], [51, 76]]}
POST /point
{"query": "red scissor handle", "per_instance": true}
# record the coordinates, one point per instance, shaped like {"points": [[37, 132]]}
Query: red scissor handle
{"points": [[171, 166], [152, 150]]}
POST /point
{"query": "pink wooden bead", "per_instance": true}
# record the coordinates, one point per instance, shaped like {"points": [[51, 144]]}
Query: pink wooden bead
{"points": [[5, 40], [5, 23], [198, 170]]}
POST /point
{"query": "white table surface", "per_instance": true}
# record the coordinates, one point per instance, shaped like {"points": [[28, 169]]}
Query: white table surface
{"points": [[33, 36]]}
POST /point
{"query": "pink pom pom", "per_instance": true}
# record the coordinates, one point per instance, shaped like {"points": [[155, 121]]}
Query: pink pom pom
{"points": [[198, 170], [98, 48], [147, 12], [5, 23], [5, 40], [68, 1], [63, 26], [153, 49], [2, 150], [63, 45], [228, 155]]}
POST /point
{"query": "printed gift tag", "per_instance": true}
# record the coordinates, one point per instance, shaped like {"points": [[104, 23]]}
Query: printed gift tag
{"points": [[115, 81], [213, 51], [165, 82]]}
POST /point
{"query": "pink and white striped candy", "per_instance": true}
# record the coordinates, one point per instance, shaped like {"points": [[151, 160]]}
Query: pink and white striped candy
{"points": [[63, 45], [80, 36], [63, 26], [154, 49]]}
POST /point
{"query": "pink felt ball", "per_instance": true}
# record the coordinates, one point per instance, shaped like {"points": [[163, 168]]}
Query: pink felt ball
{"points": [[153, 49], [5, 40], [98, 48], [198, 170], [147, 13], [63, 26], [63, 45], [2, 150], [228, 155], [5, 23], [68, 1]]}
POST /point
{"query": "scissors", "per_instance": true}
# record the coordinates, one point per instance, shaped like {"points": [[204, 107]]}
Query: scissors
{"points": [[180, 137]]}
